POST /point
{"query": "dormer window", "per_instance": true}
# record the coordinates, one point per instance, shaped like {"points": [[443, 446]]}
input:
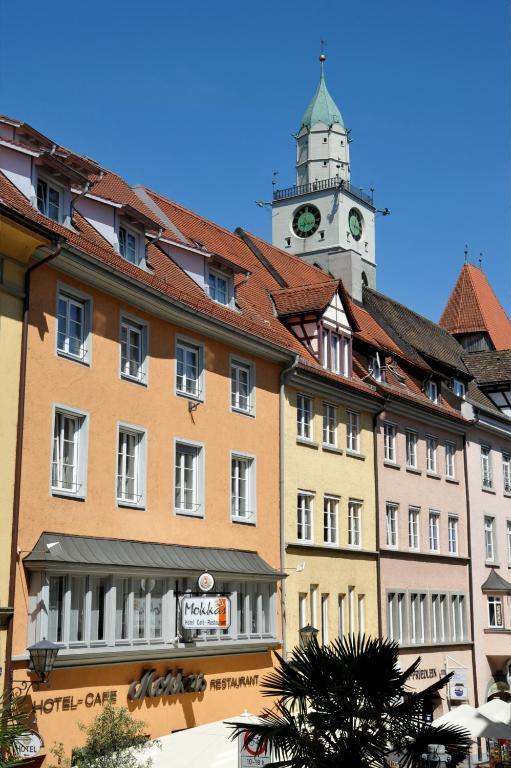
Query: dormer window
{"points": [[432, 391], [219, 286], [49, 200], [335, 352], [130, 245], [375, 368], [458, 387]]}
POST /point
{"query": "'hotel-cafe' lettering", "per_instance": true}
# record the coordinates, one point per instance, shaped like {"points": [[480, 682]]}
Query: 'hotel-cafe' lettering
{"points": [[172, 684]]}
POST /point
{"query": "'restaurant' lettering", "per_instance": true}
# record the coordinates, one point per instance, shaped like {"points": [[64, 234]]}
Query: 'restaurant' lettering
{"points": [[171, 684]]}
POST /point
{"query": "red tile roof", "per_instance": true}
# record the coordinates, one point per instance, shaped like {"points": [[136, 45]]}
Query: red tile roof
{"points": [[474, 308], [305, 298]]}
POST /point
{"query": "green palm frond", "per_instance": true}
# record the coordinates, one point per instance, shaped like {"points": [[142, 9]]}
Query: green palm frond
{"points": [[348, 703]]}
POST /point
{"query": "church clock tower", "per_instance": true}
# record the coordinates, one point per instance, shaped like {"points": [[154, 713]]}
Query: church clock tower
{"points": [[324, 218]]}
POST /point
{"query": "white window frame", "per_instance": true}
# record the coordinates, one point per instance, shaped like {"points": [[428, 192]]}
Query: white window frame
{"points": [[85, 301], [434, 530], [439, 634], [396, 609], [331, 520], [250, 517], [486, 468], [392, 524], [139, 502], [452, 535], [495, 600], [458, 628], [50, 184], [431, 454], [414, 528], [137, 325], [389, 442], [196, 450], [333, 355], [506, 472], [432, 391], [459, 388], [237, 364], [375, 368], [508, 534], [140, 245], [450, 460], [411, 438], [418, 629], [302, 522], [353, 431], [81, 439], [355, 523], [330, 425], [304, 425], [324, 618], [490, 551], [197, 348], [218, 274]]}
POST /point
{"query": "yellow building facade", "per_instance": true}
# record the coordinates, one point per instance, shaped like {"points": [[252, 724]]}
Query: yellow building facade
{"points": [[17, 243], [330, 509]]}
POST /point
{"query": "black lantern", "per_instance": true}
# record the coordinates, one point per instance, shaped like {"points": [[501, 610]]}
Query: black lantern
{"points": [[308, 635], [42, 658]]}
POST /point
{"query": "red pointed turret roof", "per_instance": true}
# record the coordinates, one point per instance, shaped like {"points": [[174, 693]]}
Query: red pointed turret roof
{"points": [[474, 308]]}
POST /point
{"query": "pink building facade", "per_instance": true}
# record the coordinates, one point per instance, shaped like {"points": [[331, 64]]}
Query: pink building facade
{"points": [[489, 484], [423, 543]]}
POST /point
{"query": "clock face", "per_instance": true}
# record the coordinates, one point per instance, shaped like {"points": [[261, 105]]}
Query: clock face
{"points": [[306, 220], [355, 222]]}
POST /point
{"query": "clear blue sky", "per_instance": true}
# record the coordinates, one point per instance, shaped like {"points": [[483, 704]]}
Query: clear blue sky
{"points": [[199, 100]]}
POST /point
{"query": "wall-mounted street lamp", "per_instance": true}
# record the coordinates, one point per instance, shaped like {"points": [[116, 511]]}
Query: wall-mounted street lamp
{"points": [[42, 660], [308, 635], [43, 656]]}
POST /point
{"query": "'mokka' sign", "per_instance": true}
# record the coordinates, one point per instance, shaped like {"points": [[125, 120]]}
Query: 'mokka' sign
{"points": [[206, 612], [171, 684]]}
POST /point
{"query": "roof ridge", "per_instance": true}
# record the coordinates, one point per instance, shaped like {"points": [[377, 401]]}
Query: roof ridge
{"points": [[474, 288], [291, 256], [192, 213], [413, 312]]}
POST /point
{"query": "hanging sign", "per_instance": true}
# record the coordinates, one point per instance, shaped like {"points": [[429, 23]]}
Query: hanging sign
{"points": [[28, 745], [458, 685], [251, 753], [205, 582], [206, 612]]}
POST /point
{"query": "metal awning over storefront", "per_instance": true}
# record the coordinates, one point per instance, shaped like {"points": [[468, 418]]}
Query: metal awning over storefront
{"points": [[53, 551]]}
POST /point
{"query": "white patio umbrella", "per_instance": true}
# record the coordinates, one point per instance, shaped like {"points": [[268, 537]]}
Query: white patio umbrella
{"points": [[497, 710], [461, 715], [208, 744]]}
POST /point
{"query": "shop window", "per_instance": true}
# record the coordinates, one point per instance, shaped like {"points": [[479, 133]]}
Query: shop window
{"points": [[111, 611]]}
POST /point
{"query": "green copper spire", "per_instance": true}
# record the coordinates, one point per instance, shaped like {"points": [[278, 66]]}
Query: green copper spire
{"points": [[322, 108]]}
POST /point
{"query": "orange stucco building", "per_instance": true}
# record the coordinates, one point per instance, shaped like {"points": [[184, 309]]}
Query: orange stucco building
{"points": [[150, 455]]}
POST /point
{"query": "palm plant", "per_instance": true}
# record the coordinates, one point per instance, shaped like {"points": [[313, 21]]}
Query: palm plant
{"points": [[348, 705], [13, 722]]}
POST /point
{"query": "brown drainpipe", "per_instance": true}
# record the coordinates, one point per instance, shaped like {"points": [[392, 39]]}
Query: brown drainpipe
{"points": [[19, 456]]}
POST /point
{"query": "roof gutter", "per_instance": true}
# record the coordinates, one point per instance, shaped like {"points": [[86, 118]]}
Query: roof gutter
{"points": [[284, 376], [19, 454]]}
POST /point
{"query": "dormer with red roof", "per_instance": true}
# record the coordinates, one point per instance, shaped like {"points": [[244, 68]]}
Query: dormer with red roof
{"points": [[43, 171], [474, 315], [318, 317]]}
